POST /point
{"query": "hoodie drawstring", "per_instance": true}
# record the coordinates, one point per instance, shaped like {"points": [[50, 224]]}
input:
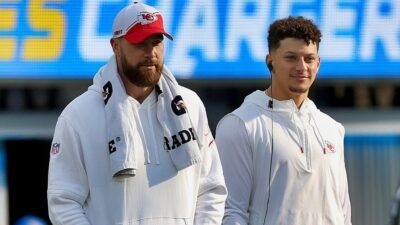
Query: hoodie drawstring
{"points": [[320, 138], [299, 142]]}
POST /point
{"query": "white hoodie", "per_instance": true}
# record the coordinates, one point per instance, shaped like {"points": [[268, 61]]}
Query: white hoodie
{"points": [[308, 182], [81, 189]]}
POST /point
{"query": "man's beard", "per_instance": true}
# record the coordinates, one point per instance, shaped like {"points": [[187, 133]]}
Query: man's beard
{"points": [[139, 78]]}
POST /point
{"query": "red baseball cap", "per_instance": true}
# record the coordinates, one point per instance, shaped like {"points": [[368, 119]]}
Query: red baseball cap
{"points": [[138, 21]]}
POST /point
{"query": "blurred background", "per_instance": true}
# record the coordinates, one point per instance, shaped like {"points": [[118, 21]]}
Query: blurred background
{"points": [[50, 50]]}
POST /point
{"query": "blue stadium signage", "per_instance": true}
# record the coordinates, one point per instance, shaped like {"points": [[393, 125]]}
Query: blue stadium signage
{"points": [[212, 38]]}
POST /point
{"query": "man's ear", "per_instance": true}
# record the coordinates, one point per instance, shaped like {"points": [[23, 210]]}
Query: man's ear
{"points": [[268, 62], [115, 45]]}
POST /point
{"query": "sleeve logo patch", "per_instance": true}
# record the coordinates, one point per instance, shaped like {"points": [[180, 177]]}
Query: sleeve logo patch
{"points": [[55, 148]]}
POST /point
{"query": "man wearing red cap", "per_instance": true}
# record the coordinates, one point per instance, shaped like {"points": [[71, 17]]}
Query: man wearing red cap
{"points": [[136, 147]]}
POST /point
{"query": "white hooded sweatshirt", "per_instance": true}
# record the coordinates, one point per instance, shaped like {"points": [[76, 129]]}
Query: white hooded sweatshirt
{"points": [[82, 190], [307, 183]]}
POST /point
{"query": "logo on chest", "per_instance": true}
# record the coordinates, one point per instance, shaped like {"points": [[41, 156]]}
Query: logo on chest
{"points": [[329, 147]]}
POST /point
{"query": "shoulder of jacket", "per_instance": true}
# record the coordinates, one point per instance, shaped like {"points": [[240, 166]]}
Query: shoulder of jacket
{"points": [[188, 93], [248, 114], [247, 111], [85, 105], [192, 99]]}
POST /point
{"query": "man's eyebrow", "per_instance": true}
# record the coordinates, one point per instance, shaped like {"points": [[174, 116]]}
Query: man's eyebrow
{"points": [[295, 53]]}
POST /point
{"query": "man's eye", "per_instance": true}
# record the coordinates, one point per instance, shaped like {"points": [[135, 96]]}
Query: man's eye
{"points": [[310, 59], [292, 57], [157, 42]]}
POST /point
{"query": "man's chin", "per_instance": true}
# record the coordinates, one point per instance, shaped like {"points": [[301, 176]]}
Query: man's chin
{"points": [[148, 82], [298, 90]]}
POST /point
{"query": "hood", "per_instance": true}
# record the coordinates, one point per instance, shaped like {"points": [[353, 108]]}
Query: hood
{"points": [[288, 109], [286, 106]]}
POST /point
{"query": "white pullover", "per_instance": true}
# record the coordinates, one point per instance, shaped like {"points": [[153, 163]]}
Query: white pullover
{"points": [[307, 184], [81, 189]]}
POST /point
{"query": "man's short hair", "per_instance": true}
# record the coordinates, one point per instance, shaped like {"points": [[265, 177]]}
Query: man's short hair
{"points": [[293, 27]]}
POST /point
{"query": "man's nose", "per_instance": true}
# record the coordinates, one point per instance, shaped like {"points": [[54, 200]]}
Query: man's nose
{"points": [[149, 50], [301, 65]]}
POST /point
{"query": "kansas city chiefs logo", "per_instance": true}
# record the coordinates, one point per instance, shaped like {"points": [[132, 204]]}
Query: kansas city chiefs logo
{"points": [[146, 18], [330, 148]]}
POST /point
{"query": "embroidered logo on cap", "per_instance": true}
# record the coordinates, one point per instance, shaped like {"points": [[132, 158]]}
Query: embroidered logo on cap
{"points": [[118, 32], [146, 18]]}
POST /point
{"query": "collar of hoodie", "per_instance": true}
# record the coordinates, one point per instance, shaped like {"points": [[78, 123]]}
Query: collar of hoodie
{"points": [[307, 112]]}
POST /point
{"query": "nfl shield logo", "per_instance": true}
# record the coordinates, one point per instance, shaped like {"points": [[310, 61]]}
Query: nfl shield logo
{"points": [[55, 148]]}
